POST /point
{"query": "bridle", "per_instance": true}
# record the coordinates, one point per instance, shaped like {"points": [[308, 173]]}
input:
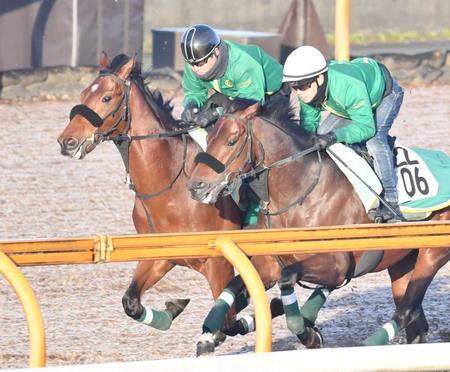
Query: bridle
{"points": [[219, 167], [234, 179], [97, 121], [123, 139]]}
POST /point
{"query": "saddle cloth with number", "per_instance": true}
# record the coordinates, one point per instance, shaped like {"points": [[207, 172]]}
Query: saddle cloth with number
{"points": [[423, 179]]}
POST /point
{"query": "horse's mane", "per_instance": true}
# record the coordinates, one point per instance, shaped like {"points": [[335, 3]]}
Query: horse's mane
{"points": [[278, 112], [162, 109]]}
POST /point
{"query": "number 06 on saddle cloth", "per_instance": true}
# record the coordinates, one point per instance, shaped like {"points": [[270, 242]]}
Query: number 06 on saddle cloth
{"points": [[423, 179]]}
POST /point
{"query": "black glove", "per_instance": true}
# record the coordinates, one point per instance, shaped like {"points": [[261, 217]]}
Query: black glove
{"points": [[322, 141], [206, 117], [189, 115]]}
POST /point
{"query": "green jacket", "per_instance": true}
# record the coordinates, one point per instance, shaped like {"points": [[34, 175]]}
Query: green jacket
{"points": [[354, 90], [250, 74]]}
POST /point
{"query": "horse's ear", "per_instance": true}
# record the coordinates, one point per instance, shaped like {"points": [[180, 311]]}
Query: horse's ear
{"points": [[250, 111], [125, 71], [104, 60]]}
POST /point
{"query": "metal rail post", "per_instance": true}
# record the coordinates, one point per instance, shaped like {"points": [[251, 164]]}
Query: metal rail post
{"points": [[342, 30], [256, 289], [31, 307]]}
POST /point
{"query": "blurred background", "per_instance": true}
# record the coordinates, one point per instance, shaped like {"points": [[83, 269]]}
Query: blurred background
{"points": [[41, 40]]}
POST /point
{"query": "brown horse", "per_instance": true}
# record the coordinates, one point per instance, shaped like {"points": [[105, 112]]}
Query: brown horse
{"points": [[158, 158], [305, 189]]}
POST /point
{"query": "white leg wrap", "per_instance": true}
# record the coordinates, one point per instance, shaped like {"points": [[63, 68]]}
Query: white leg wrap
{"points": [[289, 299], [389, 328], [148, 316], [227, 297]]}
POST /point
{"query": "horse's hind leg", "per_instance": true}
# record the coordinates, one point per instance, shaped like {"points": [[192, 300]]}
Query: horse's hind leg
{"points": [[146, 275], [409, 314]]}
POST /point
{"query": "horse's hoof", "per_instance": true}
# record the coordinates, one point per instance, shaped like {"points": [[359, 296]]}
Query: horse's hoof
{"points": [[311, 338], [176, 307], [219, 338], [205, 345], [132, 307]]}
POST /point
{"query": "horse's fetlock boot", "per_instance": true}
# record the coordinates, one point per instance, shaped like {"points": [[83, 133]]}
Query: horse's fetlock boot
{"points": [[288, 279]]}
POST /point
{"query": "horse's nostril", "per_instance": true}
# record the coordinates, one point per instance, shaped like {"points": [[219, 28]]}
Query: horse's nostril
{"points": [[70, 143]]}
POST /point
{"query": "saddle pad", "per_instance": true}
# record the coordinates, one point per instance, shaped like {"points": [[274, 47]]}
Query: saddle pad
{"points": [[347, 158], [423, 180]]}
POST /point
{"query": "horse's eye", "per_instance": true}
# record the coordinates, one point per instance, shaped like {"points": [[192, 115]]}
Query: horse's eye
{"points": [[106, 98], [232, 141]]}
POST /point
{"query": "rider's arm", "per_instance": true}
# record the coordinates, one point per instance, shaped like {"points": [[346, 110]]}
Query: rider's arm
{"points": [[195, 90], [249, 82], [309, 117], [356, 102]]}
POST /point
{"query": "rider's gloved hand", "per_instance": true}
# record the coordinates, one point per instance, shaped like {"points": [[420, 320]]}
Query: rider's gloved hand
{"points": [[207, 117], [322, 141], [189, 115]]}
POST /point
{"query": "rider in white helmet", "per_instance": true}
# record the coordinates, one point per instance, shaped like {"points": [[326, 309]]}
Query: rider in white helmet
{"points": [[363, 100]]}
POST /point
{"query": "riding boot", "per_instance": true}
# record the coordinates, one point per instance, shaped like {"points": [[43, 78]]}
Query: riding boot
{"points": [[384, 214]]}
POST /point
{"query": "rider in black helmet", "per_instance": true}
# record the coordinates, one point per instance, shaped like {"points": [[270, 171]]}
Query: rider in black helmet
{"points": [[232, 69]]}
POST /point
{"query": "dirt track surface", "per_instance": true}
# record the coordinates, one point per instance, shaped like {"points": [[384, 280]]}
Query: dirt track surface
{"points": [[44, 195]]}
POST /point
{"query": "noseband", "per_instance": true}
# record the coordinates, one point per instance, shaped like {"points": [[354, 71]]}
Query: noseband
{"points": [[92, 117]]}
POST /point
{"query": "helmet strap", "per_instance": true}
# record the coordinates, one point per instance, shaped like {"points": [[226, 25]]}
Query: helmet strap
{"points": [[320, 96]]}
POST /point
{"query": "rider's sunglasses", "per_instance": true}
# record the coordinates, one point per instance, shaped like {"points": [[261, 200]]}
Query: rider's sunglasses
{"points": [[303, 84], [201, 63]]}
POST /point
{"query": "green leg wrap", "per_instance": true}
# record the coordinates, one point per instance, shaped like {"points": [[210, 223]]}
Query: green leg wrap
{"points": [[294, 318], [313, 304], [161, 320], [384, 335], [251, 218], [216, 316], [241, 302]]}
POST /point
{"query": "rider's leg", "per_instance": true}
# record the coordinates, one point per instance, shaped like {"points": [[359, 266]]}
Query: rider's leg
{"points": [[378, 146]]}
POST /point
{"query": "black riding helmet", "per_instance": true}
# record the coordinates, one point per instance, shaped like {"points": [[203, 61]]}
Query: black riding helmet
{"points": [[198, 42]]}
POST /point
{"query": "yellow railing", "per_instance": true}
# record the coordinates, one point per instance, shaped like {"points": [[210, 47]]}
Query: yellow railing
{"points": [[234, 245], [342, 30]]}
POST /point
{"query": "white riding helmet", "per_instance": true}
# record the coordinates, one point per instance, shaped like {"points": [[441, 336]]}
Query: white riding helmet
{"points": [[303, 63]]}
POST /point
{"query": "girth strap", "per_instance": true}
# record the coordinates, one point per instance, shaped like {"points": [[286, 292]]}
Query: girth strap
{"points": [[89, 114]]}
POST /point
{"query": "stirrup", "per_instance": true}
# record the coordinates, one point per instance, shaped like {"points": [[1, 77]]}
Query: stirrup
{"points": [[382, 214]]}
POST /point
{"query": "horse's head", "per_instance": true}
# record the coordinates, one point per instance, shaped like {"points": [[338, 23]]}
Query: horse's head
{"points": [[229, 153], [103, 110]]}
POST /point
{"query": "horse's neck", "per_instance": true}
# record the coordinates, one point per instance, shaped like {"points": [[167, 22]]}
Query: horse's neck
{"points": [[292, 180], [153, 162]]}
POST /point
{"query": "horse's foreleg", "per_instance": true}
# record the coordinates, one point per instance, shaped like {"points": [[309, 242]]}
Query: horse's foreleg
{"points": [[146, 275]]}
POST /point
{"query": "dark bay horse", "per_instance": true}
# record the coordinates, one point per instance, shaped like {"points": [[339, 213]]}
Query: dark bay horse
{"points": [[310, 190], [158, 158]]}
